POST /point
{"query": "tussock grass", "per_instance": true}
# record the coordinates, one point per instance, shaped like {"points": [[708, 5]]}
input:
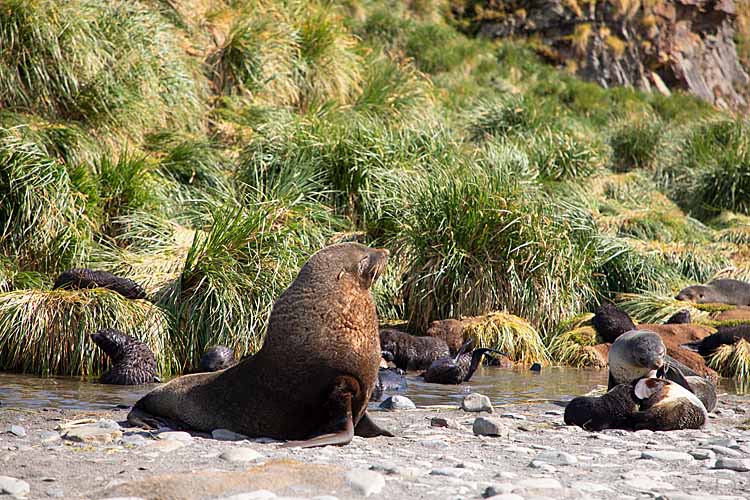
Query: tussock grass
{"points": [[46, 333], [637, 144], [732, 360], [654, 308], [510, 334], [562, 154], [573, 341], [511, 116]]}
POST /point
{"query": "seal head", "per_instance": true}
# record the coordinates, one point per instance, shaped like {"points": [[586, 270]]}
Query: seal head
{"points": [[216, 358], [133, 362]]}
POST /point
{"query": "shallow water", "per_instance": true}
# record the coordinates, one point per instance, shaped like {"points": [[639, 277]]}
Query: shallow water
{"points": [[501, 385]]}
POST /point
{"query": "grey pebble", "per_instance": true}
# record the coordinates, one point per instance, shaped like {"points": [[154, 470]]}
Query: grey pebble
{"points": [[475, 402], [542, 483], [489, 427], [48, 437], [12, 486], [667, 456], [135, 440], [398, 403], [240, 455], [175, 436], [703, 454], [55, 492], [724, 451], [735, 464], [366, 482], [17, 430], [557, 458]]}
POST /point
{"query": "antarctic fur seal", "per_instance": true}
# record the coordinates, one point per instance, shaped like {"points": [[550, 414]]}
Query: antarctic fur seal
{"points": [[133, 362], [610, 322], [459, 368], [80, 278], [216, 358], [389, 380], [411, 352], [722, 291], [313, 377], [609, 411], [725, 335], [679, 318], [666, 406]]}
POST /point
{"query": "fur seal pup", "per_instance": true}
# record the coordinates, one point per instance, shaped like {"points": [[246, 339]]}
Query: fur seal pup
{"points": [[133, 362], [411, 352], [313, 377], [609, 411], [679, 318], [610, 322], [389, 380], [723, 291], [216, 358], [666, 406], [459, 369], [725, 335], [80, 278]]}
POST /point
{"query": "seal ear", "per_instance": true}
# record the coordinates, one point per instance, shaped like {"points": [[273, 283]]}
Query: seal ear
{"points": [[647, 387]]}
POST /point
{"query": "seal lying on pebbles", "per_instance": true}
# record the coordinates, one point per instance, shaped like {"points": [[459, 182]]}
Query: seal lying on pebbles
{"points": [[725, 335], [389, 380], [610, 322], [666, 406], [216, 358], [133, 362], [411, 352], [610, 411], [313, 377], [459, 369], [80, 278], [723, 291]]}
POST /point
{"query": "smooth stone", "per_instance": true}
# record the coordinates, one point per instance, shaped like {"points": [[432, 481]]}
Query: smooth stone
{"points": [[183, 436], [398, 403], [135, 440], [557, 458], [667, 456], [166, 446], [728, 443], [100, 432], [17, 430], [441, 422], [702, 454], [240, 455], [227, 435], [253, 495], [725, 451], [448, 471], [497, 489], [538, 464], [55, 492], [366, 482], [475, 402], [648, 484], [489, 427], [587, 487], [12, 486], [735, 464], [542, 483], [49, 437]]}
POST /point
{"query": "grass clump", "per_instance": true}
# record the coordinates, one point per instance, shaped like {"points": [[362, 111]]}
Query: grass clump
{"points": [[512, 116], [636, 145], [654, 308], [47, 333], [572, 343], [510, 334], [560, 155], [732, 360]]}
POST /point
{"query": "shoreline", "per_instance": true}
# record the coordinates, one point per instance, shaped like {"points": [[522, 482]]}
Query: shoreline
{"points": [[536, 455]]}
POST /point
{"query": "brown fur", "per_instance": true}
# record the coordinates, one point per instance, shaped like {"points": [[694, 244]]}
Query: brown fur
{"points": [[321, 349], [668, 407], [741, 314]]}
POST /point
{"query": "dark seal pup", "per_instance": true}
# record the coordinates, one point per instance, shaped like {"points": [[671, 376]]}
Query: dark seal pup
{"points": [[610, 322], [80, 278], [313, 377], [666, 406], [459, 369], [725, 335], [411, 352], [216, 358], [679, 318], [133, 362], [724, 291], [610, 411]]}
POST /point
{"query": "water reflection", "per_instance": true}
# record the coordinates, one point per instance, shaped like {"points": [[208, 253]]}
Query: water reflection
{"points": [[501, 385]]}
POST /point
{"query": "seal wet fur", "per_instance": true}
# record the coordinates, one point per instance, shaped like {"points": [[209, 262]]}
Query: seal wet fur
{"points": [[133, 362], [216, 358], [313, 377], [411, 352], [610, 411], [81, 278], [459, 369], [723, 291]]}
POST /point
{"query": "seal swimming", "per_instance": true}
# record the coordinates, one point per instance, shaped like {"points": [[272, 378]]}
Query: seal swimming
{"points": [[81, 278], [133, 362], [311, 380], [459, 369], [411, 352], [216, 358], [722, 291]]}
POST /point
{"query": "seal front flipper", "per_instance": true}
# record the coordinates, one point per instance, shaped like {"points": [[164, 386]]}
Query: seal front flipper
{"points": [[367, 428], [143, 419], [340, 438]]}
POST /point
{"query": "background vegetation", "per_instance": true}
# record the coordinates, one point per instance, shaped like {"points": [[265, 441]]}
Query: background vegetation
{"points": [[206, 148]]}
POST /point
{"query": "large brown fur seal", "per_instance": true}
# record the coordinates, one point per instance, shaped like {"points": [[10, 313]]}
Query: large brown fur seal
{"points": [[411, 352], [313, 376], [723, 291], [80, 278], [133, 362]]}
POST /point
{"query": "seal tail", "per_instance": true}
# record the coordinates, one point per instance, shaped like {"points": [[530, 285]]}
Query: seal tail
{"points": [[476, 358]]}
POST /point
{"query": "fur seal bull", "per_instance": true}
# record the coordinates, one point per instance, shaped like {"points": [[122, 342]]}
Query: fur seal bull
{"points": [[723, 291], [312, 379], [133, 363]]}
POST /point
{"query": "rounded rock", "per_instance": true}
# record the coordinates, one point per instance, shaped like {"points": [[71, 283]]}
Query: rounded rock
{"points": [[365, 482], [489, 427], [475, 402], [240, 455], [12, 486], [398, 403]]}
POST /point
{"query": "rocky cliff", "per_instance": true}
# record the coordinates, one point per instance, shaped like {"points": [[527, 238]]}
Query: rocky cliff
{"points": [[648, 44]]}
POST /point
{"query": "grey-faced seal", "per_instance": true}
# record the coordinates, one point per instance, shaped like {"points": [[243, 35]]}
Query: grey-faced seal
{"points": [[458, 369], [389, 380], [610, 322], [216, 358], [132, 361], [679, 318], [610, 411], [666, 406], [411, 352], [723, 291], [313, 377], [80, 278], [725, 335]]}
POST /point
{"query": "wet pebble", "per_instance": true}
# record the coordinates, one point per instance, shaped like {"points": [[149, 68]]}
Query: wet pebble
{"points": [[735, 464], [366, 482], [475, 402], [103, 432], [398, 403], [12, 486], [240, 455], [484, 426]]}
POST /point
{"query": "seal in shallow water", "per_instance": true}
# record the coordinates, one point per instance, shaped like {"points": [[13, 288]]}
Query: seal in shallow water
{"points": [[411, 352], [459, 369], [313, 376], [81, 278], [723, 291], [133, 362]]}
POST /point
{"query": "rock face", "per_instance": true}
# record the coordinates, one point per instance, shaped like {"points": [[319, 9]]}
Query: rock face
{"points": [[670, 44]]}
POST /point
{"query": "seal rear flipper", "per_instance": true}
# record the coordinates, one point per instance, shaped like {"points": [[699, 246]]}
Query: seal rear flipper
{"points": [[140, 418], [367, 428], [340, 438]]}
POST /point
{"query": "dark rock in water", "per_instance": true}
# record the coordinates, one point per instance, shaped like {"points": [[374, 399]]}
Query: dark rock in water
{"points": [[536, 367], [132, 361], [216, 358], [411, 352], [389, 380], [81, 278], [679, 318], [610, 322]]}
